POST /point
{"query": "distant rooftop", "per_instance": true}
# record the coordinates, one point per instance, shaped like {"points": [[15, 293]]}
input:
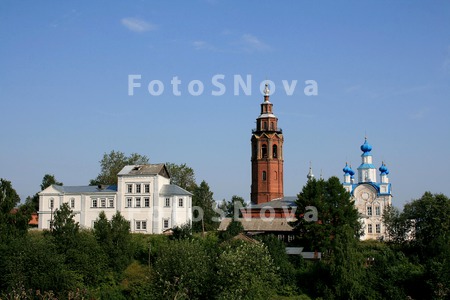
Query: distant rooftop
{"points": [[150, 169], [172, 189], [85, 189]]}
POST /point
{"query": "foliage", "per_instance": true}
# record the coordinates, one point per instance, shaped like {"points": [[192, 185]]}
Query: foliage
{"points": [[424, 228], [285, 269], [111, 164], [246, 271], [64, 229], [137, 282], [234, 228], [397, 225], [182, 232], [335, 211], [231, 207], [184, 270], [115, 238], [12, 222], [47, 181], [203, 198], [182, 175], [89, 260]]}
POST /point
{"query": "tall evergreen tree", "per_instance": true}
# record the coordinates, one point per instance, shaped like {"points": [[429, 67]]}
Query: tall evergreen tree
{"points": [[64, 229], [205, 217], [335, 210]]}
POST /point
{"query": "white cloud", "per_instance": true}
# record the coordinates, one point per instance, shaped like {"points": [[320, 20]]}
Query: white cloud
{"points": [[202, 45], [251, 43], [137, 25]]}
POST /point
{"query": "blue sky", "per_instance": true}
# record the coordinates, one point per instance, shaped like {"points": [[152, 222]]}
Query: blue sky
{"points": [[382, 68]]}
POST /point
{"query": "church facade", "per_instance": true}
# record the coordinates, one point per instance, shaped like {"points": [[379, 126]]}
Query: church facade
{"points": [[371, 196], [143, 195]]}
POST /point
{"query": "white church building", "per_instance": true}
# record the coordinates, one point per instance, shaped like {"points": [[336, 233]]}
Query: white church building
{"points": [[371, 196], [143, 195]]}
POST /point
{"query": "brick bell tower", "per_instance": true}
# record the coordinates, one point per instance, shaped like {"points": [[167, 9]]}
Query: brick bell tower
{"points": [[267, 155]]}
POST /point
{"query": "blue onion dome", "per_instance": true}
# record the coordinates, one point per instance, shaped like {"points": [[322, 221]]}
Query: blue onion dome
{"points": [[383, 169], [351, 172], [346, 169], [366, 147]]}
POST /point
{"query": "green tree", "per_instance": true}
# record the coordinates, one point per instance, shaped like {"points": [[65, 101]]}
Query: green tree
{"points": [[346, 266], [112, 163], [335, 210], [233, 229], [87, 258], [182, 232], [12, 221], [430, 229], [397, 225], [64, 229], [205, 217], [184, 270], [47, 181], [115, 238], [246, 271], [137, 282], [231, 207], [182, 175], [34, 262]]}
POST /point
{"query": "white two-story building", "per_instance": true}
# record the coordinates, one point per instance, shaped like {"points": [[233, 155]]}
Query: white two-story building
{"points": [[143, 195]]}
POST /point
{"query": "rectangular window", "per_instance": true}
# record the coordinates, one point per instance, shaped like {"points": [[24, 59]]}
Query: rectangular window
{"points": [[141, 225], [138, 202], [111, 202], [180, 202], [369, 228], [147, 202], [72, 203], [369, 210], [167, 203], [138, 188], [378, 228], [377, 210], [103, 202], [129, 188], [165, 223], [94, 202], [147, 188], [129, 202]]}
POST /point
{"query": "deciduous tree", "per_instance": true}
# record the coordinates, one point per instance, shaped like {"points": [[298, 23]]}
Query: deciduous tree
{"points": [[182, 175], [112, 163]]}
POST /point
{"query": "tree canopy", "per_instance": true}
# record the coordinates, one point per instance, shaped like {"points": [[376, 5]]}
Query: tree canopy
{"points": [[182, 175], [205, 217], [335, 210], [47, 181], [112, 163]]}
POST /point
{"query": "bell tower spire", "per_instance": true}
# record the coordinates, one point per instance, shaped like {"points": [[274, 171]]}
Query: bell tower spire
{"points": [[267, 155]]}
